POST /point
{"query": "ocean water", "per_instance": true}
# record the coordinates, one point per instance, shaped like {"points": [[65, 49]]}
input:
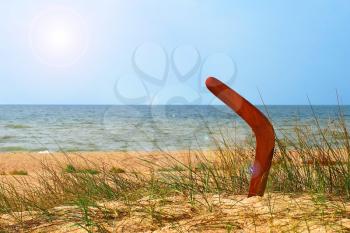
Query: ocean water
{"points": [[123, 128]]}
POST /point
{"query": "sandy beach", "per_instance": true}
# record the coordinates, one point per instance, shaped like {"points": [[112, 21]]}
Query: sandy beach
{"points": [[275, 212], [32, 162], [234, 213]]}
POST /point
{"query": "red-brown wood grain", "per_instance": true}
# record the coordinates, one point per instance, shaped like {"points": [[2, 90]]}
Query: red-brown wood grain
{"points": [[262, 128]]}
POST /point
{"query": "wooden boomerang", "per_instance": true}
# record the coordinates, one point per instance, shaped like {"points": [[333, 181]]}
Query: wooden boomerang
{"points": [[262, 128]]}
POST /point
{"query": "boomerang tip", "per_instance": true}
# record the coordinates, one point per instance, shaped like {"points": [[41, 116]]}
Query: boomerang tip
{"points": [[211, 81]]}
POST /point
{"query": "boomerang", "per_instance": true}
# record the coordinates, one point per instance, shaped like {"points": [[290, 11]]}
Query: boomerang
{"points": [[261, 126]]}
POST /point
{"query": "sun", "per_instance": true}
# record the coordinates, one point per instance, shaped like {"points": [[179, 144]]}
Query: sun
{"points": [[61, 39], [58, 36]]}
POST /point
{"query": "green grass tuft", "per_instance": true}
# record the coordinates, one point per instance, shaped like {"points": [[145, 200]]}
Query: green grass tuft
{"points": [[117, 170], [72, 169], [18, 173]]}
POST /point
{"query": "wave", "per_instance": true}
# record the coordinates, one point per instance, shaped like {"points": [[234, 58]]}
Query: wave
{"points": [[17, 126], [6, 137], [20, 149], [13, 149]]}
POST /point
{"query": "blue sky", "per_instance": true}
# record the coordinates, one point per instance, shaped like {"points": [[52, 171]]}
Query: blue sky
{"points": [[287, 49]]}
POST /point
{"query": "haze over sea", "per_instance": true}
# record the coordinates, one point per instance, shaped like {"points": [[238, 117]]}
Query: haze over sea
{"points": [[138, 127]]}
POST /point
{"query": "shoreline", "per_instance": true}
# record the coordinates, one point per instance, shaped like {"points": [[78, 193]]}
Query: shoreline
{"points": [[136, 160], [32, 162]]}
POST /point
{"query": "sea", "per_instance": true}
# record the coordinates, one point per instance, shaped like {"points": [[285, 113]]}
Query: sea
{"points": [[68, 128]]}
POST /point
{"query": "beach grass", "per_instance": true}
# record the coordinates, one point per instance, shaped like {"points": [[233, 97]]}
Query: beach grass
{"points": [[72, 169], [117, 170], [308, 190], [18, 173]]}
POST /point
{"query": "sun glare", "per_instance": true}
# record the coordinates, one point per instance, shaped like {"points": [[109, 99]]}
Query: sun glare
{"points": [[60, 39], [58, 36]]}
